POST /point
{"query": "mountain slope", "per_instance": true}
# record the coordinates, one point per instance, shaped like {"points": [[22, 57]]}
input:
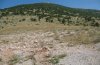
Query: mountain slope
{"points": [[54, 9], [49, 11]]}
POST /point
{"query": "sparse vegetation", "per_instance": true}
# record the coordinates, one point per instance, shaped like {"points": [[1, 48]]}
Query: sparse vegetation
{"points": [[63, 26], [63, 21], [50, 11], [15, 59], [56, 59], [33, 19], [23, 19], [49, 36], [83, 37], [5, 22]]}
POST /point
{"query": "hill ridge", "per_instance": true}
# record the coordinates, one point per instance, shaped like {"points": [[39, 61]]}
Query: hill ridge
{"points": [[49, 11]]}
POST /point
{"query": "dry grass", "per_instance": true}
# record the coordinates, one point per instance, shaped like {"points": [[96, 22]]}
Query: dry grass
{"points": [[83, 37], [78, 38], [32, 26]]}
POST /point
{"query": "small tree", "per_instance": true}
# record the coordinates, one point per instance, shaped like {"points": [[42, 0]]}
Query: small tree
{"points": [[47, 19], [63, 21], [51, 21], [59, 19]]}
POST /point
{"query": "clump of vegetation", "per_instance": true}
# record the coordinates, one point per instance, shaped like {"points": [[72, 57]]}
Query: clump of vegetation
{"points": [[5, 22], [87, 36], [15, 59], [56, 59], [23, 19], [63, 21], [96, 24], [78, 38], [2, 27], [19, 20], [33, 19], [49, 19]]}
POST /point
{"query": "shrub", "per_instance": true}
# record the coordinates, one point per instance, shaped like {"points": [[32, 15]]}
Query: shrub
{"points": [[33, 19], [47, 19], [40, 17], [59, 19], [23, 19], [15, 59], [96, 24], [63, 21], [19, 20], [5, 22], [56, 59]]}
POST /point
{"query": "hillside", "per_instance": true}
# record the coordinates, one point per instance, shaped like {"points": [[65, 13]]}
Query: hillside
{"points": [[51, 9], [50, 12]]}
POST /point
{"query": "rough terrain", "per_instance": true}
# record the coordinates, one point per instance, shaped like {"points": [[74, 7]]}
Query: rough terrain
{"points": [[46, 48]]}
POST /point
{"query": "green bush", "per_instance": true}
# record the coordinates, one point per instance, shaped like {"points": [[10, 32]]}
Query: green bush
{"points": [[56, 59], [23, 19], [33, 19]]}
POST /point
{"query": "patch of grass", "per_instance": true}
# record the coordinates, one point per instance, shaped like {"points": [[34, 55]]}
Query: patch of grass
{"points": [[83, 37], [15, 59], [56, 59]]}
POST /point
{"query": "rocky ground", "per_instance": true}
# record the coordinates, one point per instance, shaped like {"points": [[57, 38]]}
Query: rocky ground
{"points": [[45, 48]]}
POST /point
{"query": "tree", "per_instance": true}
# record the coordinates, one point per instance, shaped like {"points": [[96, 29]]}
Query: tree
{"points": [[63, 21], [51, 20]]}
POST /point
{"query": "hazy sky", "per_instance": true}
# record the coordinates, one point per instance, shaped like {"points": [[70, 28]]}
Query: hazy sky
{"points": [[87, 4]]}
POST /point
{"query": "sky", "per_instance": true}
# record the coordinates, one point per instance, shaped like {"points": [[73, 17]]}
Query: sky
{"points": [[86, 4]]}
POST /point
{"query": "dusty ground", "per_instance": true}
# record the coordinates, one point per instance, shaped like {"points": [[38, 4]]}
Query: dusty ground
{"points": [[46, 48]]}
